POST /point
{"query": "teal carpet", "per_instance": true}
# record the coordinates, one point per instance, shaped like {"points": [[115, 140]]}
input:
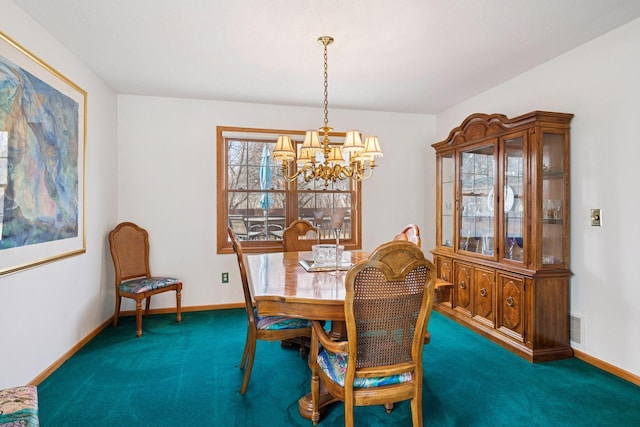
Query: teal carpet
{"points": [[187, 374]]}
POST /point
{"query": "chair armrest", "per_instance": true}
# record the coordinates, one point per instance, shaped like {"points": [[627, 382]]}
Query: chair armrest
{"points": [[319, 334]]}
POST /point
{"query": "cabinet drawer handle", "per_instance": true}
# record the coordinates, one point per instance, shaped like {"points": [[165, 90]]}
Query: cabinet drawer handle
{"points": [[510, 301], [463, 285], [483, 292]]}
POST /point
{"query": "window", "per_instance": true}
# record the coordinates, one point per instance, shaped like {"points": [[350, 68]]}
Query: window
{"points": [[257, 202]]}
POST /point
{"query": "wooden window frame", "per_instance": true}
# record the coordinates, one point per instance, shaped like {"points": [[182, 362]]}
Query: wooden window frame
{"points": [[291, 194]]}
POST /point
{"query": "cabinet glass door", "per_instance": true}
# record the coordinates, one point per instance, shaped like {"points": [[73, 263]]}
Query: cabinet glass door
{"points": [[447, 194], [513, 202], [476, 213], [553, 199]]}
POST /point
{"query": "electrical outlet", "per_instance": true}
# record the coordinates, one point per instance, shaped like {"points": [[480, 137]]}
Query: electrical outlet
{"points": [[225, 277]]}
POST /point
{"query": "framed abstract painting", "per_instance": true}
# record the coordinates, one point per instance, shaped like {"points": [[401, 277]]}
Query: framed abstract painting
{"points": [[42, 161]]}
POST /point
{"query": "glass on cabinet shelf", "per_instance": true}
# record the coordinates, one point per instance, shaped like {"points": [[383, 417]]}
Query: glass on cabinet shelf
{"points": [[514, 249]]}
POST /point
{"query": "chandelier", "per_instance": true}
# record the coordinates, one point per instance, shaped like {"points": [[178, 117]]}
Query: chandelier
{"points": [[324, 160]]}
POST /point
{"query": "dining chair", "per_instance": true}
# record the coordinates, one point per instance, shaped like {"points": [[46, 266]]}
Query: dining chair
{"points": [[129, 246], [410, 233], [267, 328], [291, 237], [293, 243], [388, 303]]}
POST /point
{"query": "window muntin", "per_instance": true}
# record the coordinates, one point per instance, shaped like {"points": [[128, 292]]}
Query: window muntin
{"points": [[257, 202]]}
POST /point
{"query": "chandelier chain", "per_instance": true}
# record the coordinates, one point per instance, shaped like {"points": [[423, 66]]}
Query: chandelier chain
{"points": [[326, 88]]}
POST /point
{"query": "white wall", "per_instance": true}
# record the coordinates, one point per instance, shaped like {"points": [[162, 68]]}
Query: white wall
{"points": [[167, 181], [47, 310], [598, 82]]}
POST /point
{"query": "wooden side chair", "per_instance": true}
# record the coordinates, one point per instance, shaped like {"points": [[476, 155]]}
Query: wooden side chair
{"points": [[299, 228], [387, 308], [293, 243], [267, 328], [410, 233], [129, 245]]}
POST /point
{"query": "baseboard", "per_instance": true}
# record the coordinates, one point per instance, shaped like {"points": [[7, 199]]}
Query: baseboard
{"points": [[185, 309], [613, 370], [73, 350]]}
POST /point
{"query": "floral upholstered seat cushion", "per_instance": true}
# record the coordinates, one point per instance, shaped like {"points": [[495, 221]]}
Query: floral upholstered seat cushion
{"points": [[277, 322], [335, 366], [138, 286], [19, 407]]}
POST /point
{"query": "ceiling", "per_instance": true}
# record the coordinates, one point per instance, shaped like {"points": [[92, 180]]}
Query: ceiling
{"points": [[412, 56]]}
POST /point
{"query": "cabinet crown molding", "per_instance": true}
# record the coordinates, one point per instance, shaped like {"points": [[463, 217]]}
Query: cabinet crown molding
{"points": [[479, 125]]}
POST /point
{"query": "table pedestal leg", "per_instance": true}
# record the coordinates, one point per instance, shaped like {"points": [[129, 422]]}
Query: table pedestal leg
{"points": [[338, 330]]}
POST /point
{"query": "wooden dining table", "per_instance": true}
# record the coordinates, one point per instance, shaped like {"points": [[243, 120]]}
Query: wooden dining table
{"points": [[281, 286]]}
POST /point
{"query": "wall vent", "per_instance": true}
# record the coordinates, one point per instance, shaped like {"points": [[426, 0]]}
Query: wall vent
{"points": [[576, 329]]}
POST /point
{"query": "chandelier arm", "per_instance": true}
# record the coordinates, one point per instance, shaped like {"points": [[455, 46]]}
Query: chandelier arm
{"points": [[285, 171]]}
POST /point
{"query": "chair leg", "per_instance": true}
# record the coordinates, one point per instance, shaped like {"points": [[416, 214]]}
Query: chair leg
{"points": [[139, 317], [117, 312], [315, 396], [388, 407], [178, 305], [348, 411], [247, 372], [146, 310], [416, 412], [245, 352]]}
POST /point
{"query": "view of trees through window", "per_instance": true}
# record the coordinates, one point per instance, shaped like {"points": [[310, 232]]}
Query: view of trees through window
{"points": [[257, 202]]}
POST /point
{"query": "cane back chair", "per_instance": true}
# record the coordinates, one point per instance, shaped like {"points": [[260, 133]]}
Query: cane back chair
{"points": [[129, 246], [295, 230], [387, 308], [267, 328], [410, 233]]}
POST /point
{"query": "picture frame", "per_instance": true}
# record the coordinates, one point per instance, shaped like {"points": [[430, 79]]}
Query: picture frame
{"points": [[43, 125]]}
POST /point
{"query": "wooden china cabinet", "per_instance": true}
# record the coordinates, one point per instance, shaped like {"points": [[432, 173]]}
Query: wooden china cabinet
{"points": [[502, 235]]}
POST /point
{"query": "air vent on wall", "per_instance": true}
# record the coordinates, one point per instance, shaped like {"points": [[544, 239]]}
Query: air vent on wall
{"points": [[576, 329]]}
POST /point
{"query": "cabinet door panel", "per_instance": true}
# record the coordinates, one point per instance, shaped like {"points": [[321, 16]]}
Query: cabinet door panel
{"points": [[484, 285], [512, 205], [462, 288], [476, 219], [444, 233], [511, 305]]}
